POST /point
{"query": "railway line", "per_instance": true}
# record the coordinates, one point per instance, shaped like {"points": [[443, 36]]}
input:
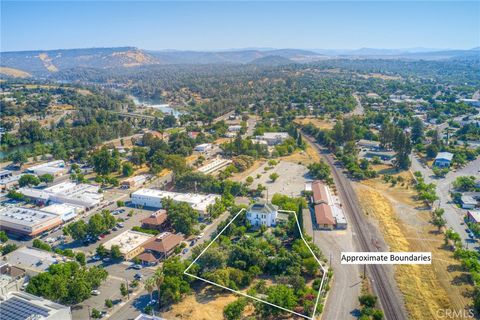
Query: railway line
{"points": [[393, 308]]}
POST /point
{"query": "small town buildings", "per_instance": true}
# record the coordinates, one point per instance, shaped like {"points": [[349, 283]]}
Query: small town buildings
{"points": [[382, 155], [25, 306], [82, 194], [204, 147], [443, 160], [26, 221], [156, 220], [130, 243], [324, 216], [136, 181], [55, 168], [153, 198], [273, 138], [11, 279], [370, 144], [234, 128], [33, 260], [193, 134], [473, 216], [468, 202], [262, 213], [214, 165], [160, 247], [8, 180], [321, 193], [65, 211], [328, 214]]}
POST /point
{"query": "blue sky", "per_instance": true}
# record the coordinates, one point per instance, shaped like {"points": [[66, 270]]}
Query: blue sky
{"points": [[201, 25]]}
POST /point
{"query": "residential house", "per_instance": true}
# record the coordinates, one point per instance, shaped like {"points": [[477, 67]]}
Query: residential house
{"points": [[262, 213], [443, 160], [156, 220]]}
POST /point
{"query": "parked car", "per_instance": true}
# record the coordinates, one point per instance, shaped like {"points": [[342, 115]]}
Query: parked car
{"points": [[137, 266], [96, 258], [120, 225], [138, 276], [106, 259], [185, 250], [192, 243], [95, 292]]}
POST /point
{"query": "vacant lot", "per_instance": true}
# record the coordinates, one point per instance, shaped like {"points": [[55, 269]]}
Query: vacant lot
{"points": [[319, 123], [405, 226]]}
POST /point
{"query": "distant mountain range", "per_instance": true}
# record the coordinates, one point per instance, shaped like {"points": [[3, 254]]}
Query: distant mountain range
{"points": [[49, 61]]}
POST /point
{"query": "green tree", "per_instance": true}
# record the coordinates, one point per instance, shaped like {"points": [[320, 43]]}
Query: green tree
{"points": [[368, 300], [19, 158], [115, 252], [7, 248], [108, 303], [417, 130], [127, 169], [3, 236], [28, 180], [274, 176], [234, 310], [123, 290], [464, 183], [46, 178], [104, 161], [80, 258]]}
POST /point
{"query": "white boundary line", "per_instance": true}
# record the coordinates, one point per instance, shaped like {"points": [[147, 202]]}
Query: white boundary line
{"points": [[255, 298]]}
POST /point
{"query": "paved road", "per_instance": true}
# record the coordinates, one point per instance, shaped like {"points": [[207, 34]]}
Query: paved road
{"points": [[453, 215], [383, 281], [131, 309]]}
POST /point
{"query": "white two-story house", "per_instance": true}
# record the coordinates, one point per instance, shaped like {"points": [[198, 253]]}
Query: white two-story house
{"points": [[262, 213]]}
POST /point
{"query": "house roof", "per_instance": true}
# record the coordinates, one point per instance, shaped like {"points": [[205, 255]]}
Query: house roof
{"points": [[468, 200], [323, 214], [320, 193], [444, 156], [157, 218], [262, 207], [148, 257], [164, 242]]}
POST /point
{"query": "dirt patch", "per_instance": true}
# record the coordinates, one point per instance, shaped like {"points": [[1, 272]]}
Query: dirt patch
{"points": [[319, 123], [242, 175], [205, 304], [304, 157], [405, 227]]}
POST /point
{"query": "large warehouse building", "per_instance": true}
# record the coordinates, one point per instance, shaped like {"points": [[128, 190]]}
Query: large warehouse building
{"points": [[153, 198], [30, 222]]}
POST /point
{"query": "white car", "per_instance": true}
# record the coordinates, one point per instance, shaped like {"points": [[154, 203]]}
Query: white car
{"points": [[95, 292]]}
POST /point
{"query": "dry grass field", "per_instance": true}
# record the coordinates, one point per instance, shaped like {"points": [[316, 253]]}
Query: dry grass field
{"points": [[16, 73], [319, 123], [405, 226]]}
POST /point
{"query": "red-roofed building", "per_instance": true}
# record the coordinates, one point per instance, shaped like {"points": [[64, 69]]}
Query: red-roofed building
{"points": [[193, 134], [156, 221], [160, 247], [324, 216]]}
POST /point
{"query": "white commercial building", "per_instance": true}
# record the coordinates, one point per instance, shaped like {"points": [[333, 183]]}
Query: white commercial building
{"points": [[203, 147], [23, 306], [214, 165], [136, 181], [130, 243], [55, 168], [8, 180], [234, 128], [25, 221], [273, 138], [83, 195], [262, 214], [153, 198], [65, 211], [33, 260]]}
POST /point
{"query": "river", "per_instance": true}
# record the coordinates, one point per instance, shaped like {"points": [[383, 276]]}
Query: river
{"points": [[156, 104]]}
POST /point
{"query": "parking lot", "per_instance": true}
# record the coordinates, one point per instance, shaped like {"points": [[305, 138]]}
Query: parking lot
{"points": [[291, 180]]}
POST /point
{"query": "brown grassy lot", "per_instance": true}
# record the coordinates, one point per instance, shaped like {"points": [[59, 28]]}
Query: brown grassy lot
{"points": [[319, 123], [16, 73], [405, 226]]}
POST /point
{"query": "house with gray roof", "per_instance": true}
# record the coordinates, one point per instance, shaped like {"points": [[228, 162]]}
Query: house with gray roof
{"points": [[262, 213]]}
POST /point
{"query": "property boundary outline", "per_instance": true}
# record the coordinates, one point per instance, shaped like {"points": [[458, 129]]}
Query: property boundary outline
{"points": [[312, 317]]}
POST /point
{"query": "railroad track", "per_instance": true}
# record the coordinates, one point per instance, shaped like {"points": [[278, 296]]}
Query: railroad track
{"points": [[392, 308]]}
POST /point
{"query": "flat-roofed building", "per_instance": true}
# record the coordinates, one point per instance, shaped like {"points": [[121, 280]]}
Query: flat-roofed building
{"points": [[339, 216], [473, 216], [136, 181], [81, 194], [33, 260], [214, 165], [273, 138], [371, 144], [204, 147], [25, 306], [153, 198], [443, 159], [11, 279], [55, 168], [26, 221], [65, 211], [468, 202], [130, 243], [235, 128], [8, 180]]}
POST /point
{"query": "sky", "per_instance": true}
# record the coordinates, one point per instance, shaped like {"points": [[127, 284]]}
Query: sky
{"points": [[198, 25]]}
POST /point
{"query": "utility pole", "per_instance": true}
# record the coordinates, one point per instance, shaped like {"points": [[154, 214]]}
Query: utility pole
{"points": [[128, 290]]}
